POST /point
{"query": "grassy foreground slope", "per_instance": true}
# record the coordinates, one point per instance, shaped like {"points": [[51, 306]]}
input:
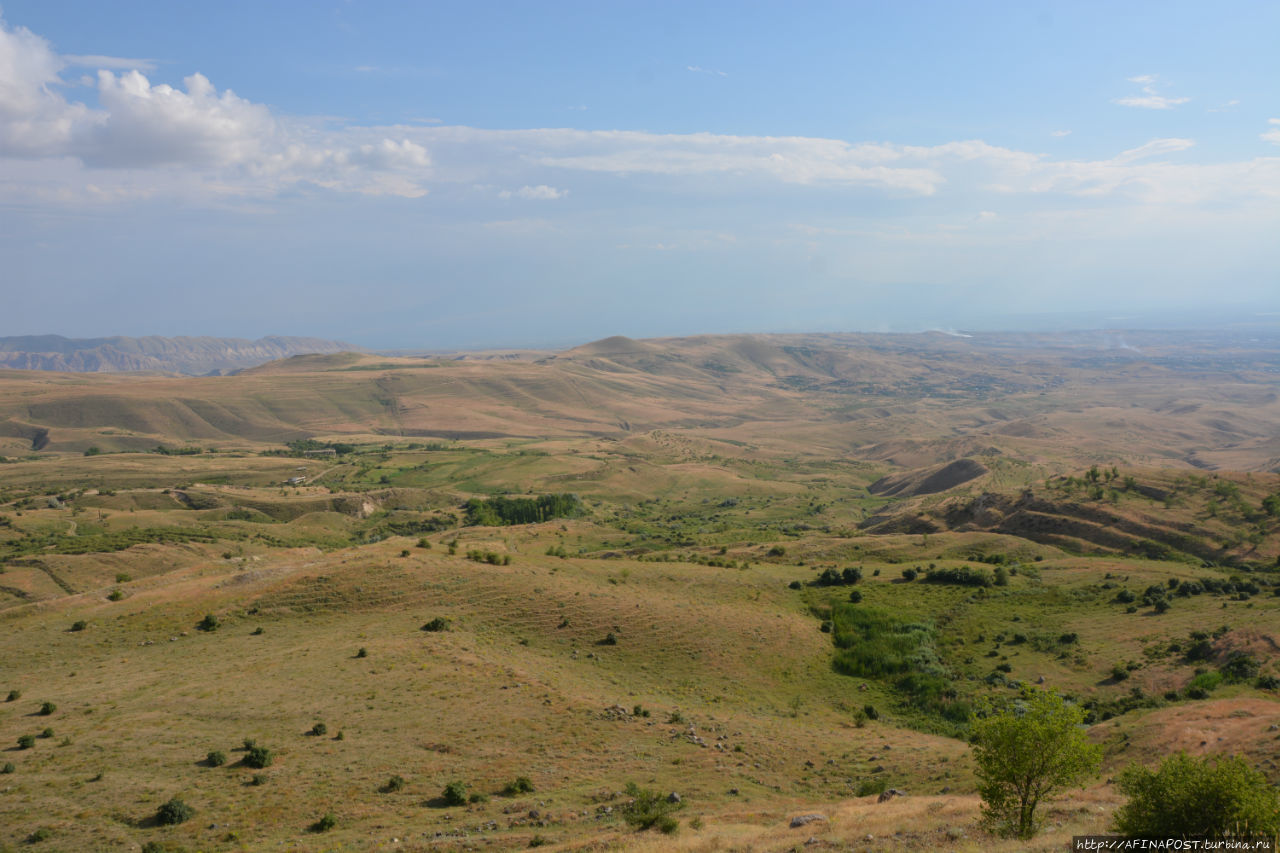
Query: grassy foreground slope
{"points": [[1004, 516]]}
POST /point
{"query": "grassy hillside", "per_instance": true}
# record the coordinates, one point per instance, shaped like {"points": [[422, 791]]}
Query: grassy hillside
{"points": [[794, 570]]}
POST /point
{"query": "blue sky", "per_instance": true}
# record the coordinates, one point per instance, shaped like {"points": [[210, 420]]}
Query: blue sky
{"points": [[470, 174]]}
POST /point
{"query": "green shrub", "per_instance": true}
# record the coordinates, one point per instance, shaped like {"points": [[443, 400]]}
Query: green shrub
{"points": [[14, 696], [44, 833], [1206, 681], [520, 785], [962, 576], [439, 623], [26, 741], [208, 623], [648, 808], [454, 794], [478, 797], [363, 653], [215, 758], [47, 708], [258, 757], [46, 734], [258, 779], [325, 823], [319, 730], [8, 768], [1241, 667], [609, 640], [174, 812], [1190, 797], [115, 595], [395, 783], [79, 625]]}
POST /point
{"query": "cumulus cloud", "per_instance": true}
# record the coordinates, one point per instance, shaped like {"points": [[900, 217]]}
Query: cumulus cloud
{"points": [[700, 70], [542, 192], [141, 125], [33, 117], [146, 125], [1273, 135], [1149, 99]]}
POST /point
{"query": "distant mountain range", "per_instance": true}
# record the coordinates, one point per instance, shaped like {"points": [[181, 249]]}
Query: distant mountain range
{"points": [[194, 356]]}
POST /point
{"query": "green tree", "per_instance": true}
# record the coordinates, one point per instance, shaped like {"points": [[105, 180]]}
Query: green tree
{"points": [[1025, 755], [1190, 797]]}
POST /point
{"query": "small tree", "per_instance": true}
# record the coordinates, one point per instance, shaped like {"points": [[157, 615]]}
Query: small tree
{"points": [[1189, 797], [1024, 757]]}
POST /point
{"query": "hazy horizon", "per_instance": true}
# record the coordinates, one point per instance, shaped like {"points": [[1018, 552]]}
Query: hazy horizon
{"points": [[479, 175]]}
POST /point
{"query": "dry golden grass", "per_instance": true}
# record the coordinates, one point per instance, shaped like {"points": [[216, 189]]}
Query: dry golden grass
{"points": [[684, 452]]}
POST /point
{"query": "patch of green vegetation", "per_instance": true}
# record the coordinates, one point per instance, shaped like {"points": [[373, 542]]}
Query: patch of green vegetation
{"points": [[498, 511], [873, 643]]}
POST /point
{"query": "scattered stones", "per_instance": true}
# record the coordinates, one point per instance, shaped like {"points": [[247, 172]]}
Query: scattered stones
{"points": [[806, 819], [673, 797]]}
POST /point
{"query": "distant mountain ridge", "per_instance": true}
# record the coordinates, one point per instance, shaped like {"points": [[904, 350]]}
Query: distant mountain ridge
{"points": [[196, 356]]}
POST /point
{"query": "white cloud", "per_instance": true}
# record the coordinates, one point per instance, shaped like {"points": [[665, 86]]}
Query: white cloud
{"points": [[145, 139], [1149, 99], [146, 125], [1153, 148], [798, 160], [236, 145], [112, 63], [699, 70], [1060, 133], [542, 192], [1151, 102], [1273, 135], [33, 117]]}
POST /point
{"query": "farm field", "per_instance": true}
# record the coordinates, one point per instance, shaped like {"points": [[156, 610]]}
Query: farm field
{"points": [[777, 575]]}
